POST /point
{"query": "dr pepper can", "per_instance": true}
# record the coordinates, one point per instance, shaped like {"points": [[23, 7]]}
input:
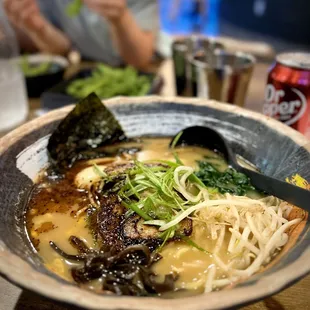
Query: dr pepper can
{"points": [[287, 94]]}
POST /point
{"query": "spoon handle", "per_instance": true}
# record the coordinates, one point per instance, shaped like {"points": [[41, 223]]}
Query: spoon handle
{"points": [[293, 194]]}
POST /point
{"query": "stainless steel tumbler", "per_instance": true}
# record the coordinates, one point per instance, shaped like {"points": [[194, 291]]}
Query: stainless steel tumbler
{"points": [[181, 50], [221, 75]]}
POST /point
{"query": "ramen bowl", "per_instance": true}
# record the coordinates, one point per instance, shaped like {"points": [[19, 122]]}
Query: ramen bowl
{"points": [[275, 149]]}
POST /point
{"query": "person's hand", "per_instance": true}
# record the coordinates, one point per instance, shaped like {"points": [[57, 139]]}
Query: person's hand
{"points": [[112, 10], [25, 14]]}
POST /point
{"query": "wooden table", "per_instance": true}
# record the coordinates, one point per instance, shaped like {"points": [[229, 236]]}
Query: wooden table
{"points": [[296, 297]]}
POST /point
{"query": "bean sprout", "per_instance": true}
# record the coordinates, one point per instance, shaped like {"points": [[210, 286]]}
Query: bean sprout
{"points": [[255, 228]]}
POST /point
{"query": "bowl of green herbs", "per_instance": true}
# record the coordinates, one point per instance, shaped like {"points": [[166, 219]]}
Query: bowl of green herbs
{"points": [[109, 82], [42, 72], [105, 82]]}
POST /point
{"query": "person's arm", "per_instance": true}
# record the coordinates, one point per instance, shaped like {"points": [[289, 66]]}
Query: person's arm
{"points": [[34, 29], [49, 39], [25, 43], [135, 45]]}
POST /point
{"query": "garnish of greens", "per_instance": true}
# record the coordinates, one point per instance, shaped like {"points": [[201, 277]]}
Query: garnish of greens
{"points": [[228, 181], [31, 70], [164, 192], [74, 7], [88, 126], [108, 82]]}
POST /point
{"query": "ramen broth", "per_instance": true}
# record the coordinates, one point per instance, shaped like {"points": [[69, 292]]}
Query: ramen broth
{"points": [[54, 204], [224, 245]]}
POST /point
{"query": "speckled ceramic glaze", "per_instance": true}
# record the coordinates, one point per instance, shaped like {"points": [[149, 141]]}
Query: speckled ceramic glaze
{"points": [[275, 149]]}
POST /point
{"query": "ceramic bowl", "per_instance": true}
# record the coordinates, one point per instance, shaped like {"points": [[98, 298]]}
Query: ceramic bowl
{"points": [[274, 148], [37, 84]]}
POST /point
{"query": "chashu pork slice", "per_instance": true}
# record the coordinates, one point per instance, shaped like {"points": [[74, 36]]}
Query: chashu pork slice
{"points": [[135, 232], [116, 231]]}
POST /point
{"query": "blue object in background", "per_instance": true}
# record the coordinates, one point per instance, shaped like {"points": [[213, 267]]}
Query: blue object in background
{"points": [[189, 16], [211, 27]]}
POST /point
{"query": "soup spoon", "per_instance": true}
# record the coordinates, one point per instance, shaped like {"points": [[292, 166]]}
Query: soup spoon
{"points": [[211, 139]]}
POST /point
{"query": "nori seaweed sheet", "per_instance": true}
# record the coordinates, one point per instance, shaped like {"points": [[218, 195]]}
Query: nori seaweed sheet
{"points": [[88, 126]]}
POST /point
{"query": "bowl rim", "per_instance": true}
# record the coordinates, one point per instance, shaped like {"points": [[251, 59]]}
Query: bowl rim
{"points": [[21, 273], [37, 58]]}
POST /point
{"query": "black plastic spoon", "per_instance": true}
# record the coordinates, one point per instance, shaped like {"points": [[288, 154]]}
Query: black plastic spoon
{"points": [[211, 139]]}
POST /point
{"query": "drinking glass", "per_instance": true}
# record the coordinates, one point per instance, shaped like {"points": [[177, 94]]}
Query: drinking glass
{"points": [[221, 76], [13, 101], [182, 49]]}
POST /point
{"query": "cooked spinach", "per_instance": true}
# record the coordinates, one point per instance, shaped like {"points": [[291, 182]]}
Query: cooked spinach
{"points": [[88, 126], [229, 181]]}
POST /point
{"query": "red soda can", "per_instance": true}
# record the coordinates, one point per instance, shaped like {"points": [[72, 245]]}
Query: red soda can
{"points": [[287, 94]]}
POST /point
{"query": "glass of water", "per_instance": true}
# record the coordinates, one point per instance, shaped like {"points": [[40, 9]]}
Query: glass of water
{"points": [[13, 101]]}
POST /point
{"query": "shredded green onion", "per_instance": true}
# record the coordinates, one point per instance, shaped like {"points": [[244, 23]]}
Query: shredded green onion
{"points": [[194, 244], [99, 172], [165, 236], [151, 191], [137, 210], [155, 222], [176, 139]]}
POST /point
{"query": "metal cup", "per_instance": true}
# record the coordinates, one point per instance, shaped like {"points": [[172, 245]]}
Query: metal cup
{"points": [[181, 50], [221, 75]]}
